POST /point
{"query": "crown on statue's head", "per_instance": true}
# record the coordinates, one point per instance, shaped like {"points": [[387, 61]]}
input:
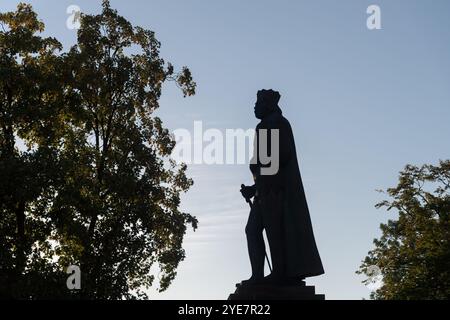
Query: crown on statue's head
{"points": [[270, 96]]}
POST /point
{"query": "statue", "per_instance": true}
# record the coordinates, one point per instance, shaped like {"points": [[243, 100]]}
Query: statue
{"points": [[279, 206]]}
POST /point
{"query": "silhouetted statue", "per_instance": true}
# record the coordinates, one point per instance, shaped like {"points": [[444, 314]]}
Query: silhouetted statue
{"points": [[279, 206]]}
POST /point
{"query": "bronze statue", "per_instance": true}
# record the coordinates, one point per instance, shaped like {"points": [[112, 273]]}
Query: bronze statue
{"points": [[279, 205]]}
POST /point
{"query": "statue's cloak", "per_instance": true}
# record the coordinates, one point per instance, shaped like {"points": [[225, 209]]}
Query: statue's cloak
{"points": [[283, 194]]}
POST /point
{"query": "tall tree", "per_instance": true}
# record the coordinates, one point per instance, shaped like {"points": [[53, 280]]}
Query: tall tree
{"points": [[413, 252], [30, 98], [95, 186], [117, 210]]}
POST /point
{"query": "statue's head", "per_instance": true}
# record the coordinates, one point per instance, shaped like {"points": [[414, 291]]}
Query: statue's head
{"points": [[266, 103]]}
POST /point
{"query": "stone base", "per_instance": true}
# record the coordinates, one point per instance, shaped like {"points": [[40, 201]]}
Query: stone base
{"points": [[270, 292]]}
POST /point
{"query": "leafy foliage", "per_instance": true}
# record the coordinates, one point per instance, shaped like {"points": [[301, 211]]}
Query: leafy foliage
{"points": [[413, 252], [95, 186]]}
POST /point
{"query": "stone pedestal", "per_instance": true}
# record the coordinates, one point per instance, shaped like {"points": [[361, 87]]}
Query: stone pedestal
{"points": [[271, 292]]}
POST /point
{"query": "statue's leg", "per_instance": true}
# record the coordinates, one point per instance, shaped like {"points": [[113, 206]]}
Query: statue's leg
{"points": [[255, 242]]}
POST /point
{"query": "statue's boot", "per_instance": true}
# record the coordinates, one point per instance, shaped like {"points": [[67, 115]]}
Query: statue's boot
{"points": [[282, 280], [275, 279], [254, 280], [257, 253]]}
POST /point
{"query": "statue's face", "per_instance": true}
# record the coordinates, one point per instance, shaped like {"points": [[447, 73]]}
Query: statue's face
{"points": [[261, 108]]}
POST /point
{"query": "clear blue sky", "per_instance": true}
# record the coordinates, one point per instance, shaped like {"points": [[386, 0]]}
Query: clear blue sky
{"points": [[362, 105]]}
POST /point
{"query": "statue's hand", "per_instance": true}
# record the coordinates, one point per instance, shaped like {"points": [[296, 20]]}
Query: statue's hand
{"points": [[248, 192]]}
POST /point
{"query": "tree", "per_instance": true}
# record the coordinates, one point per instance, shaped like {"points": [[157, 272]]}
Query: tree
{"points": [[413, 252], [29, 101], [109, 194]]}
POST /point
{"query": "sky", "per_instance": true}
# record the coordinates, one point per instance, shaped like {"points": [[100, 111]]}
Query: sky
{"points": [[362, 103]]}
